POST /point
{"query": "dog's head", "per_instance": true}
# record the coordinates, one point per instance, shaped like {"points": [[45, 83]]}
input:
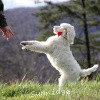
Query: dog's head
{"points": [[66, 30]]}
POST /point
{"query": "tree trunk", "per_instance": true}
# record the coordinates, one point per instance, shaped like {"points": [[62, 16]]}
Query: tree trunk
{"points": [[86, 36], [87, 39]]}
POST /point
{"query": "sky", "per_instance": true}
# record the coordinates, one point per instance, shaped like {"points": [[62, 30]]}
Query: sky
{"points": [[10, 4]]}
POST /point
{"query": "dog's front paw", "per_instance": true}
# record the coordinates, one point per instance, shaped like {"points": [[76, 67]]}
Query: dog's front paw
{"points": [[27, 48], [23, 47], [23, 43], [27, 45]]}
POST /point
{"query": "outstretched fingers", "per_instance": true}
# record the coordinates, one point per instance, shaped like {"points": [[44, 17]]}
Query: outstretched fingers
{"points": [[10, 33]]}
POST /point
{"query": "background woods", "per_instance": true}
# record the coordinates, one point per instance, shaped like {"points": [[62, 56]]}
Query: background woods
{"points": [[37, 23]]}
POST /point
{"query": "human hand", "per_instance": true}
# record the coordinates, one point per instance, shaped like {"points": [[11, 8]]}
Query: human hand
{"points": [[7, 32]]}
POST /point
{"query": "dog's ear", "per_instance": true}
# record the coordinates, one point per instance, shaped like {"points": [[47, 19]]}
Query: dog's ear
{"points": [[69, 32]]}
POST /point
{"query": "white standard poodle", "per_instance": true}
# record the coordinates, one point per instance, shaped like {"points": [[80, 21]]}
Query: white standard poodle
{"points": [[57, 50]]}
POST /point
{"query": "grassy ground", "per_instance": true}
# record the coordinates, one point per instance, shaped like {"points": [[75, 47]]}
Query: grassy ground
{"points": [[82, 90]]}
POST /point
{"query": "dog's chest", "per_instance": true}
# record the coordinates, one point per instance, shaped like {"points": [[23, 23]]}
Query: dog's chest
{"points": [[59, 57]]}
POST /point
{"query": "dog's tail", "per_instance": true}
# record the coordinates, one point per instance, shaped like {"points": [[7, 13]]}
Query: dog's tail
{"points": [[88, 71]]}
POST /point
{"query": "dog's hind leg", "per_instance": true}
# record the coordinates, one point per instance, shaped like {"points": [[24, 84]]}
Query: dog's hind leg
{"points": [[62, 80]]}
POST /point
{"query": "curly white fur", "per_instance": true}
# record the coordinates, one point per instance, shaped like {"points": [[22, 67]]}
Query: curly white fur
{"points": [[59, 54]]}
